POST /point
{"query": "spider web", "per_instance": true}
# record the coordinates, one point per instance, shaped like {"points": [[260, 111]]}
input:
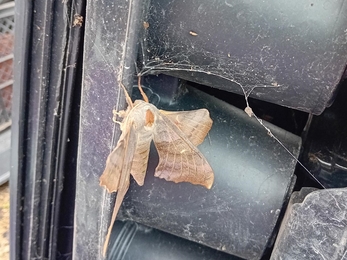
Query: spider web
{"points": [[183, 57]]}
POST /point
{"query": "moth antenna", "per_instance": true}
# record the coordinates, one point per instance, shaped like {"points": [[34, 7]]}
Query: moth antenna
{"points": [[144, 96], [127, 97]]}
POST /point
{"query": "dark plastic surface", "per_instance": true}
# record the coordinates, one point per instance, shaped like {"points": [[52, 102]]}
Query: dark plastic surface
{"points": [[17, 181], [326, 145], [291, 53], [314, 227], [132, 241], [46, 63]]}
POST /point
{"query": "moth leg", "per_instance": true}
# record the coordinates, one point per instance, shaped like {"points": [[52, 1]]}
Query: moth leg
{"points": [[116, 114], [120, 113]]}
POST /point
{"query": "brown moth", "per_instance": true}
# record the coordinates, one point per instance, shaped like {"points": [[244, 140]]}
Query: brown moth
{"points": [[175, 135]]}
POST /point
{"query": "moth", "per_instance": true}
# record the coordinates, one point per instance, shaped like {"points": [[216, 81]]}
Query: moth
{"points": [[175, 136]]}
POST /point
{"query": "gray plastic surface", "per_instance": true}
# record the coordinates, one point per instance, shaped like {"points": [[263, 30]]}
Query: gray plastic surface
{"points": [[291, 53], [132, 241], [314, 227]]}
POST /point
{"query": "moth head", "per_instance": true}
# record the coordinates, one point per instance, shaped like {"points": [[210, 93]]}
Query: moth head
{"points": [[144, 115]]}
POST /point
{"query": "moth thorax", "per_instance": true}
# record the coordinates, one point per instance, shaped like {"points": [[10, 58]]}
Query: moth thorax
{"points": [[149, 121]]}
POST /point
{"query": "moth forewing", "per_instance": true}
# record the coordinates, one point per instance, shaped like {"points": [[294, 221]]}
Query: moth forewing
{"points": [[179, 159], [122, 190], [115, 165], [119, 163], [195, 124]]}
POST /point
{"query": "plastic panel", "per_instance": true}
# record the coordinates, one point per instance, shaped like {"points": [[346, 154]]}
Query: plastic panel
{"points": [[134, 241], [314, 227], [45, 72], [291, 53]]}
